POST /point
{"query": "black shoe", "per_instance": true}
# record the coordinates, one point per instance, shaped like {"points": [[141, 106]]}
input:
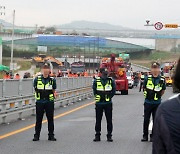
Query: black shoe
{"points": [[109, 139], [36, 138], [52, 138], [97, 139], [144, 139]]}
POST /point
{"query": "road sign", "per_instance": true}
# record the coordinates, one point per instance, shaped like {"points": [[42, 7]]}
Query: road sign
{"points": [[171, 25], [158, 26], [124, 56]]}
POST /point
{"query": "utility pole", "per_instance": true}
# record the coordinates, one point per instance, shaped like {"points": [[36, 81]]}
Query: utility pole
{"points": [[2, 13], [89, 56], [94, 56], [84, 54], [12, 45]]}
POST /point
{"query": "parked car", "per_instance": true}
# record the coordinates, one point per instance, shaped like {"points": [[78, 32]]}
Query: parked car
{"points": [[130, 79]]}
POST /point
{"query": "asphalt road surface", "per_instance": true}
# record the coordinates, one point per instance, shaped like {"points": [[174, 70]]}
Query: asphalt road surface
{"points": [[74, 130], [138, 69]]}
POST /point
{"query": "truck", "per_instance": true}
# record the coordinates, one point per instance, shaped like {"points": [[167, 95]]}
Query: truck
{"points": [[167, 72], [77, 67], [117, 70]]}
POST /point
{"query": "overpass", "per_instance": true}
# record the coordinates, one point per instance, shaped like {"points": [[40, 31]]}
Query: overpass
{"points": [[8, 36], [24, 41], [80, 41]]}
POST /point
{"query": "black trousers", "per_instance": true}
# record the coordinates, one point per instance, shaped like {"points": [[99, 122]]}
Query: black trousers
{"points": [[107, 109], [149, 109], [141, 85], [42, 108]]}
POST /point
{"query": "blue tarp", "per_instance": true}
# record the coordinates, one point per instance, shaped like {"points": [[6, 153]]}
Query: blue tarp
{"points": [[74, 40]]}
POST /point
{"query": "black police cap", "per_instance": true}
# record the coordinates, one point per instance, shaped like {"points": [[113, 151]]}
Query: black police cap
{"points": [[103, 70], [155, 65], [46, 65]]}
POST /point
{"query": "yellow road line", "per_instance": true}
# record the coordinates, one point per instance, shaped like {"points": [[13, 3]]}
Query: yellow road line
{"points": [[44, 121]]}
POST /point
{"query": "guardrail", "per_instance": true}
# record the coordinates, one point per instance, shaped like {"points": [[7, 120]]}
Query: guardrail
{"points": [[17, 96]]}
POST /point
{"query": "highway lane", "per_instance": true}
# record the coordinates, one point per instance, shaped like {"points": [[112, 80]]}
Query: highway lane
{"points": [[138, 69], [75, 131]]}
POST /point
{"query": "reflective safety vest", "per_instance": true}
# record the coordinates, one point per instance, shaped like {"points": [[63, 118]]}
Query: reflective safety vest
{"points": [[44, 91], [153, 92], [103, 91], [142, 77]]}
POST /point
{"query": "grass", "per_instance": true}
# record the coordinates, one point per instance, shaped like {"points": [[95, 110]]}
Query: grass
{"points": [[37, 70], [163, 55], [25, 65], [6, 61], [1, 75], [158, 56]]}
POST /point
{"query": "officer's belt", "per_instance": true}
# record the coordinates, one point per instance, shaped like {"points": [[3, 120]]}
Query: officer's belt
{"points": [[103, 92]]}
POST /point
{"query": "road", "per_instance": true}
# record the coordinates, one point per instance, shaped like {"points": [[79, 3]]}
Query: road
{"points": [[74, 129], [31, 71], [138, 69]]}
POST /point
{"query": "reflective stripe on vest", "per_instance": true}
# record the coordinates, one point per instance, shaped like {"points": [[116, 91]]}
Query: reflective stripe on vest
{"points": [[47, 87], [42, 86], [142, 77], [101, 88], [154, 90]]}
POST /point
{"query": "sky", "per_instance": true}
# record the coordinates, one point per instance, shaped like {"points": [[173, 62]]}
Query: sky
{"points": [[127, 13]]}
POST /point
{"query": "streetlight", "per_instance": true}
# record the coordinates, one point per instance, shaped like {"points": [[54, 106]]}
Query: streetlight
{"points": [[12, 45], [2, 12]]}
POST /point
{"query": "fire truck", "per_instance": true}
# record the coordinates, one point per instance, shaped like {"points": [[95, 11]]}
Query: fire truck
{"points": [[117, 70]]}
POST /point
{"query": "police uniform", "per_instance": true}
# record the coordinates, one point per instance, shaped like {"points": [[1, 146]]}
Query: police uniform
{"points": [[141, 83], [153, 87], [104, 89], [44, 88]]}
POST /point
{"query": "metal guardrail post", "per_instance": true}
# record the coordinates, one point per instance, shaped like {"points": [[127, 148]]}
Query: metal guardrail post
{"points": [[4, 88], [20, 88]]}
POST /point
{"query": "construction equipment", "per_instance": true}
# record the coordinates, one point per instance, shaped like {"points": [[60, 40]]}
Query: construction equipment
{"points": [[116, 70], [175, 89], [167, 72], [41, 58]]}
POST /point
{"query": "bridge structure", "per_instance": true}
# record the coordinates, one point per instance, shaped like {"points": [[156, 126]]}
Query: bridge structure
{"points": [[81, 41]]}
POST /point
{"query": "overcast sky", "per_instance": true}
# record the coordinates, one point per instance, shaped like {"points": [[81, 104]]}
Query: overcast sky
{"points": [[128, 13]]}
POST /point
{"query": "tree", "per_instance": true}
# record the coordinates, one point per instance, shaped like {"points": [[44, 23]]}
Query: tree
{"points": [[49, 30]]}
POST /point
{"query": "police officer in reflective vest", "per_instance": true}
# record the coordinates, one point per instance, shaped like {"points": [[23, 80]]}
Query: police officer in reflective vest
{"points": [[141, 81], [154, 88], [104, 89], [44, 86]]}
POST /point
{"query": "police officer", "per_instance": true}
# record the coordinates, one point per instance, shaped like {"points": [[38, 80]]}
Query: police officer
{"points": [[154, 88], [44, 86], [104, 89], [166, 139], [142, 81]]}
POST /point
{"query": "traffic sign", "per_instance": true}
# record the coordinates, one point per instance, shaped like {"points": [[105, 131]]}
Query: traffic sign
{"points": [[171, 25], [158, 25]]}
